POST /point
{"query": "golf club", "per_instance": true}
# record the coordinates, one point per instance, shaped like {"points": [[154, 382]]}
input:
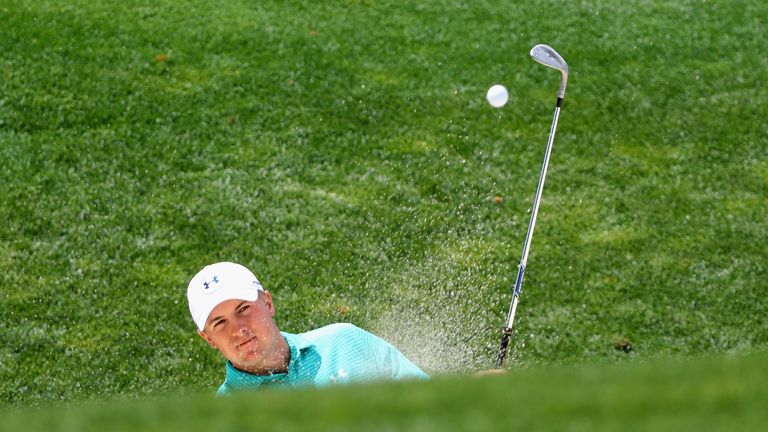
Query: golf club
{"points": [[547, 56]]}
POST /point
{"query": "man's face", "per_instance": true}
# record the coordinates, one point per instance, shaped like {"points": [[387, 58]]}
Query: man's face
{"points": [[246, 334]]}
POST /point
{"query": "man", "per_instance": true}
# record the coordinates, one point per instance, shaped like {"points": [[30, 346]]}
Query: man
{"points": [[235, 315]]}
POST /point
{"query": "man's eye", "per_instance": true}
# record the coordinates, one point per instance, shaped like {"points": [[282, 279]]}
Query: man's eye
{"points": [[219, 324], [242, 309]]}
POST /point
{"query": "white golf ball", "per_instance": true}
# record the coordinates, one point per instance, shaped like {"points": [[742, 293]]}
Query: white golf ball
{"points": [[497, 96]]}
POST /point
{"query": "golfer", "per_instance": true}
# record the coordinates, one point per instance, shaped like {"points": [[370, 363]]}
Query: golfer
{"points": [[235, 315]]}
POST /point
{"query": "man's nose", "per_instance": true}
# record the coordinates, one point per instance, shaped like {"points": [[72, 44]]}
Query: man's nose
{"points": [[241, 329]]}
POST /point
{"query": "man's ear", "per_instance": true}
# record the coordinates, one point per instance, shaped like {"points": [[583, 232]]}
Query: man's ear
{"points": [[207, 339], [268, 302]]}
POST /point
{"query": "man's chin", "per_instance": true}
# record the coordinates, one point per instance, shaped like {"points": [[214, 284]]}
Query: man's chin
{"points": [[246, 360]]}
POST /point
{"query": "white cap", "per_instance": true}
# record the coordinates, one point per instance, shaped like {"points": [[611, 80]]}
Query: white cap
{"points": [[217, 283]]}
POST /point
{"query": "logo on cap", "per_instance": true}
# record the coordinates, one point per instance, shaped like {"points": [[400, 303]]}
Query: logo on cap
{"points": [[207, 285]]}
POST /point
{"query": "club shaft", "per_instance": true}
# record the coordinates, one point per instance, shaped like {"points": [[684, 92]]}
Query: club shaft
{"points": [[539, 189], [507, 332]]}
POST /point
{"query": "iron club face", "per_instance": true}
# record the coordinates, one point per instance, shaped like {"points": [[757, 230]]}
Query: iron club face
{"points": [[547, 56]]}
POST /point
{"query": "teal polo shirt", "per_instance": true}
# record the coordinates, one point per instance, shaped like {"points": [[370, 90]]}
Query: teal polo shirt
{"points": [[334, 354]]}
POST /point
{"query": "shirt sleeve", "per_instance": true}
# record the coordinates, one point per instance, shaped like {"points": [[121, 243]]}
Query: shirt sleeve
{"points": [[389, 360]]}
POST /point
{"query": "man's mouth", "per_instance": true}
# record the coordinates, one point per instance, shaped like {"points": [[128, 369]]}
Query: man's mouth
{"points": [[246, 342]]}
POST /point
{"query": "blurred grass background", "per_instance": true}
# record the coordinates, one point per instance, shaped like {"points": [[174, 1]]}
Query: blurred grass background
{"points": [[344, 151]]}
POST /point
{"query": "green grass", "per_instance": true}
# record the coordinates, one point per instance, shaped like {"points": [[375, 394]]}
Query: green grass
{"points": [[683, 395], [345, 153]]}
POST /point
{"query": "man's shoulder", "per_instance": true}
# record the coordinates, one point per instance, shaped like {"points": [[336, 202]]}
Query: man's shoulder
{"points": [[333, 331]]}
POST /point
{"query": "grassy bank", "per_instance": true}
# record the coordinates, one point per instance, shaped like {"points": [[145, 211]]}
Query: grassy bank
{"points": [[713, 393]]}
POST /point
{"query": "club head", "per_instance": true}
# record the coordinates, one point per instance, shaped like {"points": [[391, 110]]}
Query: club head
{"points": [[547, 56]]}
